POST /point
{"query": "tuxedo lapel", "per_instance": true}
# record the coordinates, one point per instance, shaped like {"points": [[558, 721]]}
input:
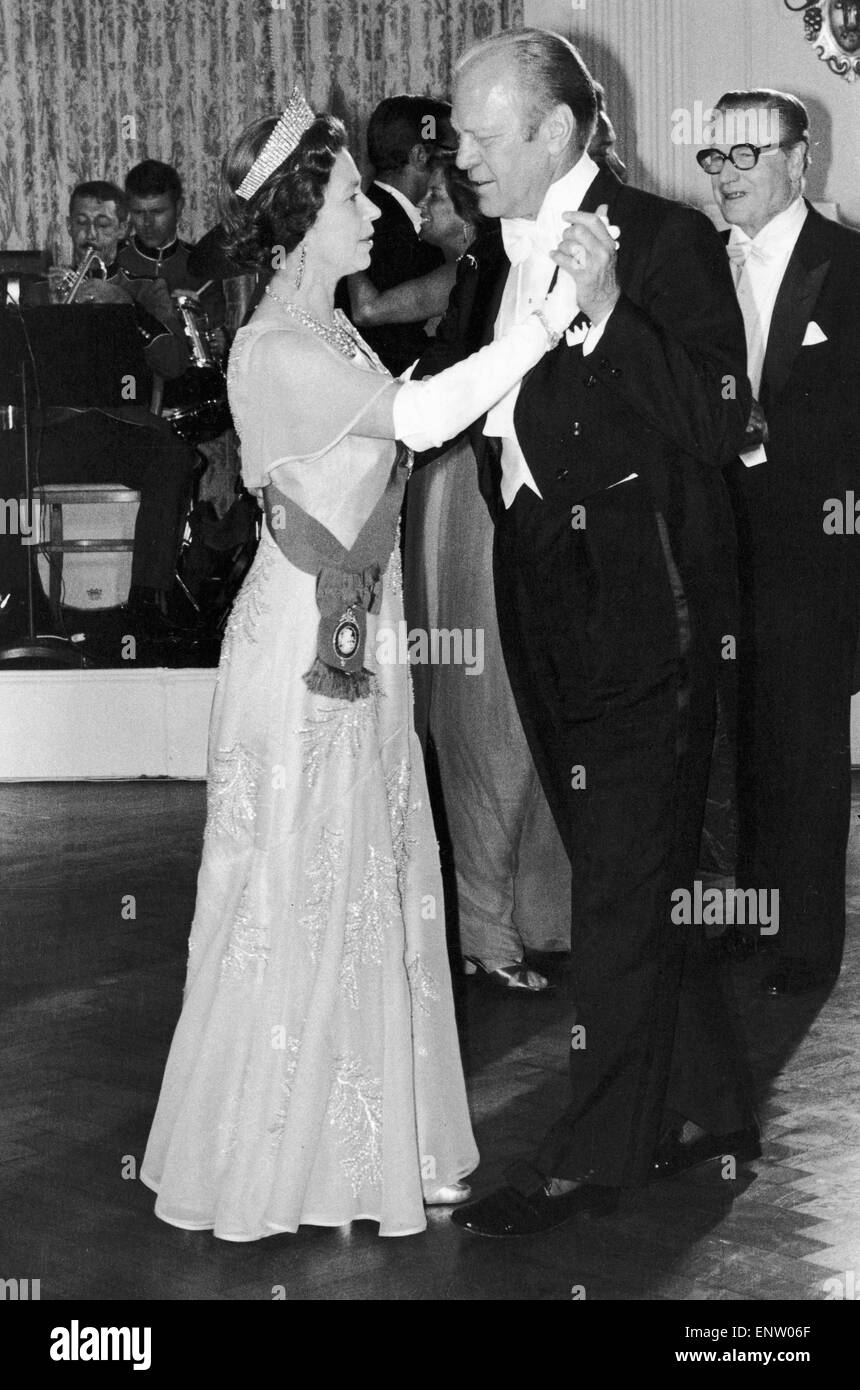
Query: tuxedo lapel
{"points": [[602, 189], [795, 304], [605, 188], [494, 303]]}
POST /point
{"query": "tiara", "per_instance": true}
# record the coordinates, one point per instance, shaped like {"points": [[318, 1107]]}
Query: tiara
{"points": [[296, 119]]}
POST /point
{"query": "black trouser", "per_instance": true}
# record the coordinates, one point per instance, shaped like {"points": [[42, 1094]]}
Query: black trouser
{"points": [[800, 614], [96, 448], [615, 683]]}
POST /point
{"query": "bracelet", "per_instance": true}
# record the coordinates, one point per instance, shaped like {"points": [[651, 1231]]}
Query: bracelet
{"points": [[554, 338]]}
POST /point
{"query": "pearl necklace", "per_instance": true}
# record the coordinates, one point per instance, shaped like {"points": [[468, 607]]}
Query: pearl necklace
{"points": [[340, 335]]}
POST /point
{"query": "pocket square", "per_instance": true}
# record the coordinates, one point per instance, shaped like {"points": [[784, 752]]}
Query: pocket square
{"points": [[813, 335]]}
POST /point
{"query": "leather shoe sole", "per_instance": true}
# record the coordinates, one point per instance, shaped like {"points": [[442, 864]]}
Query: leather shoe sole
{"points": [[508, 1212]]}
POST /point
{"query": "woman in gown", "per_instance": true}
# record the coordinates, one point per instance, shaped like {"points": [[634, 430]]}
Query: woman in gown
{"points": [[314, 1075], [512, 872]]}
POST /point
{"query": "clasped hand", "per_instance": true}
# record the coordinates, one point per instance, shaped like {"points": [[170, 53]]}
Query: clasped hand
{"points": [[587, 252]]}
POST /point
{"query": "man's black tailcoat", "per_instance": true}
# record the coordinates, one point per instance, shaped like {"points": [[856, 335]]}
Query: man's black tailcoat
{"points": [[613, 599], [800, 596]]}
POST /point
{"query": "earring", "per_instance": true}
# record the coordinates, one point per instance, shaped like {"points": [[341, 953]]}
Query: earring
{"points": [[301, 269]]}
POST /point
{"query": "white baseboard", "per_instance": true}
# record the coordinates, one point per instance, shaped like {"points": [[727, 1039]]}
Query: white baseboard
{"points": [[58, 726]]}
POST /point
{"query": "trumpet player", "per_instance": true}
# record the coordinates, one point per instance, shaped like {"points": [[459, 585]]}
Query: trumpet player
{"points": [[124, 443], [98, 224]]}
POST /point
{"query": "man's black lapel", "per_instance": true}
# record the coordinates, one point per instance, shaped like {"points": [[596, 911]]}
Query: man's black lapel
{"points": [[795, 304], [494, 303], [605, 188], [602, 189]]}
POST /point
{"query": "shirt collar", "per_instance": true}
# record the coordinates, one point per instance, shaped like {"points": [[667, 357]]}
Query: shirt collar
{"points": [[567, 193], [408, 207], [149, 253], [524, 237], [779, 234]]}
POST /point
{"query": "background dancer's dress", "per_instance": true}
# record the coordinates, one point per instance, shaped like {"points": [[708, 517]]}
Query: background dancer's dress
{"points": [[315, 1074]]}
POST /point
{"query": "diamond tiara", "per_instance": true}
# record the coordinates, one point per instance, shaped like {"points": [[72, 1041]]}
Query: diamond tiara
{"points": [[296, 119]]}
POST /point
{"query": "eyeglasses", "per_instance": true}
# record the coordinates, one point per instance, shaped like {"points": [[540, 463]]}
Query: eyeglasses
{"points": [[742, 156]]}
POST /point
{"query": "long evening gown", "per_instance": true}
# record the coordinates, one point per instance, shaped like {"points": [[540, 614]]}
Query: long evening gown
{"points": [[315, 1075], [512, 871]]}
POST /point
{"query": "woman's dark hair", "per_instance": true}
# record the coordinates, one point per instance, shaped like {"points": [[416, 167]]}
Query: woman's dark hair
{"points": [[460, 188], [286, 205]]}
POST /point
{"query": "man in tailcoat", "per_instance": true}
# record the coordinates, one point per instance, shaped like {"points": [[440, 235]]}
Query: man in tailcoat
{"points": [[613, 573]]}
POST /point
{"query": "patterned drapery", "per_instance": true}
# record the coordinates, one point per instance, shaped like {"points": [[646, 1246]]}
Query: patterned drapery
{"points": [[88, 88]]}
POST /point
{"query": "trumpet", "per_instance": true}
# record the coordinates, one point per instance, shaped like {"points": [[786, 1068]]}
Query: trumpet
{"points": [[193, 321], [72, 282]]}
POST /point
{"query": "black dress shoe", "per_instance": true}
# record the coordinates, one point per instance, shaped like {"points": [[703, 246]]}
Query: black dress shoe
{"points": [[674, 1156], [509, 1212], [509, 979], [795, 977]]}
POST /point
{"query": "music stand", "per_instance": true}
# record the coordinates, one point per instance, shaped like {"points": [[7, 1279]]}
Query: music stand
{"points": [[61, 357], [19, 271]]}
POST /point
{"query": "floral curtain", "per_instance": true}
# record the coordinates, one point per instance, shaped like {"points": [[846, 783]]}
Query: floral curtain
{"points": [[88, 88]]}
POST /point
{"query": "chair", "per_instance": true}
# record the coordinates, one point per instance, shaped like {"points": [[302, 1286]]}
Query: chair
{"points": [[99, 584]]}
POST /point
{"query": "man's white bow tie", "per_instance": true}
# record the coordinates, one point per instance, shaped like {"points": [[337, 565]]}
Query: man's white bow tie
{"points": [[742, 251], [523, 235]]}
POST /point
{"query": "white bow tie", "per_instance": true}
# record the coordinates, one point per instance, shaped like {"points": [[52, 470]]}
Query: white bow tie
{"points": [[521, 236], [742, 251]]}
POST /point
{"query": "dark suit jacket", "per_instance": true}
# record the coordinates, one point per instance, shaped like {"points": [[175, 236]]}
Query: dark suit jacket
{"points": [[811, 398], [398, 255], [464, 325], [665, 394]]}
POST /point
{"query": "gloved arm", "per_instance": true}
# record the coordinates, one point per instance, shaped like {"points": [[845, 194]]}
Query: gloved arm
{"points": [[428, 412]]}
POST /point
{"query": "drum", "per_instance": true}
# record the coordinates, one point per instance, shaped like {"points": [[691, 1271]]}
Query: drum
{"points": [[195, 404]]}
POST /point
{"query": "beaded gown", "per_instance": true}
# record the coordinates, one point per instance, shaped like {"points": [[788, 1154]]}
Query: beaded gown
{"points": [[314, 1075]]}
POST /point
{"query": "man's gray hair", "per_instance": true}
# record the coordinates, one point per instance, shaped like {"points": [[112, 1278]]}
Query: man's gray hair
{"points": [[551, 71], [793, 115]]}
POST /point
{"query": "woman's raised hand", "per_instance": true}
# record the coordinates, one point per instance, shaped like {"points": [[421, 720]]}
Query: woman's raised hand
{"points": [[587, 252]]}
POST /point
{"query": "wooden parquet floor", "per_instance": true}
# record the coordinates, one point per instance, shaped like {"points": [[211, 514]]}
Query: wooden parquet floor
{"points": [[90, 997]]}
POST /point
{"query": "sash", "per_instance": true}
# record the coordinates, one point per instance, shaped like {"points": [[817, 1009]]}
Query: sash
{"points": [[349, 582]]}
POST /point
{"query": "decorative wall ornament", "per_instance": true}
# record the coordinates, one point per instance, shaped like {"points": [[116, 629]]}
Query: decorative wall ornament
{"points": [[833, 26]]}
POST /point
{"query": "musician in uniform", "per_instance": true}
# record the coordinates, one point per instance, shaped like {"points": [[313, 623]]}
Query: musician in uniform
{"points": [[155, 203], [124, 443], [154, 249]]}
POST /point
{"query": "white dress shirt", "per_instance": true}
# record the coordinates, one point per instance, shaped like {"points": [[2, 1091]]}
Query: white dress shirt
{"points": [[759, 275], [528, 243], [759, 264], [408, 207]]}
